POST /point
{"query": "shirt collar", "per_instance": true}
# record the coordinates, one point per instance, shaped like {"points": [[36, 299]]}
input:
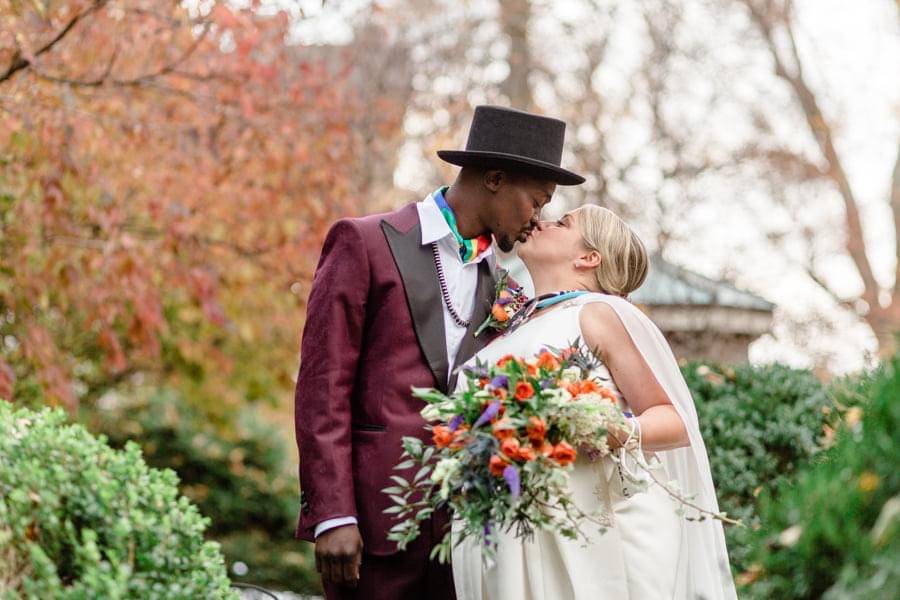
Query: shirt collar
{"points": [[434, 226]]}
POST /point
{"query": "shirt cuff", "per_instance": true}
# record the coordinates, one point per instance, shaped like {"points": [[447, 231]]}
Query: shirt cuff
{"points": [[332, 523]]}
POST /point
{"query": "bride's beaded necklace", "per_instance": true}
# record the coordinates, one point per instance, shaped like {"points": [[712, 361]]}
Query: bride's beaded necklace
{"points": [[540, 302]]}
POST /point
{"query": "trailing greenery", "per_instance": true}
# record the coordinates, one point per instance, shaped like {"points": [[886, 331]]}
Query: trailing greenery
{"points": [[79, 519], [760, 425], [835, 531], [240, 474]]}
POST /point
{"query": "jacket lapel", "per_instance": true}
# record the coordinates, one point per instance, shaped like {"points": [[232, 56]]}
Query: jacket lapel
{"points": [[484, 300], [423, 294]]}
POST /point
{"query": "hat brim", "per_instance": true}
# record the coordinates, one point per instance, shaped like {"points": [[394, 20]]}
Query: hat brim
{"points": [[537, 168]]}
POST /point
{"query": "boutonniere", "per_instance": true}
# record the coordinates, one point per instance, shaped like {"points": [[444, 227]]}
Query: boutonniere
{"points": [[509, 297]]}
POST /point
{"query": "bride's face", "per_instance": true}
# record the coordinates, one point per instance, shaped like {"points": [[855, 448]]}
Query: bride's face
{"points": [[554, 243]]}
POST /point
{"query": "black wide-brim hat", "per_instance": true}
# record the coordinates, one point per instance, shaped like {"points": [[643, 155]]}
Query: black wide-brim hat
{"points": [[505, 138]]}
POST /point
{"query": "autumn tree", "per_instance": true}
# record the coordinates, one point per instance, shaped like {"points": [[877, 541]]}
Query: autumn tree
{"points": [[166, 178]]}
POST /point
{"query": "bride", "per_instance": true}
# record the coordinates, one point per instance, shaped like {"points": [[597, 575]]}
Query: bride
{"points": [[583, 267]]}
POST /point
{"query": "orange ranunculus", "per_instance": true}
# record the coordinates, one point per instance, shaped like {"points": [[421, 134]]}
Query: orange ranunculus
{"points": [[505, 359], [499, 393], [546, 360], [510, 447], [441, 435], [503, 429], [527, 453], [496, 465], [499, 313], [564, 453], [524, 391], [536, 429]]}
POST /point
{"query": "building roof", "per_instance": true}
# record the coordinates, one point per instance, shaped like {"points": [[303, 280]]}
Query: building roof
{"points": [[671, 285]]}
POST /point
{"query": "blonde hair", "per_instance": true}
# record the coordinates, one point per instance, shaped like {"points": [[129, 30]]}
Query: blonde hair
{"points": [[624, 264]]}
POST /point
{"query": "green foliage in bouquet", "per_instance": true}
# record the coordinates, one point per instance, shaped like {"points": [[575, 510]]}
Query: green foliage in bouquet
{"points": [[835, 531], [81, 520], [238, 475], [760, 425]]}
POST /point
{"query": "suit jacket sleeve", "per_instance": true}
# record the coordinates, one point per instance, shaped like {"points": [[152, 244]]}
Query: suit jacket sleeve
{"points": [[329, 352]]}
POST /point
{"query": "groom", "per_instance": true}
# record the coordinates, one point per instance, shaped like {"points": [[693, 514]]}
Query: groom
{"points": [[395, 301]]}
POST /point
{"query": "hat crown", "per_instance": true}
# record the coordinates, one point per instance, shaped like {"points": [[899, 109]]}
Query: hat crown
{"points": [[517, 133]]}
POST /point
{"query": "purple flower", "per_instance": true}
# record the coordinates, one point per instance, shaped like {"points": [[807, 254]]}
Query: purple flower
{"points": [[545, 383], [489, 413], [511, 475], [455, 422], [503, 301], [500, 381]]}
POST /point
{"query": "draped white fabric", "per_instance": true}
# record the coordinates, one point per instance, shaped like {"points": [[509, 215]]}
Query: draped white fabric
{"points": [[706, 572]]}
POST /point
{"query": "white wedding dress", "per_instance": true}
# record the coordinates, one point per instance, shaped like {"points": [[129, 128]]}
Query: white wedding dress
{"points": [[648, 551]]}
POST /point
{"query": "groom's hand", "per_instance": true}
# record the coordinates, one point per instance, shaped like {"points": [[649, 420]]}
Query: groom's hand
{"points": [[338, 555]]}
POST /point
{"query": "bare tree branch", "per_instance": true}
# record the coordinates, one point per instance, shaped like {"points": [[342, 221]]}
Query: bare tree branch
{"points": [[19, 62]]}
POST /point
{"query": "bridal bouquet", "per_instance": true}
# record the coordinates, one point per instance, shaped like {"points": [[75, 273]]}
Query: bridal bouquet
{"points": [[502, 448]]}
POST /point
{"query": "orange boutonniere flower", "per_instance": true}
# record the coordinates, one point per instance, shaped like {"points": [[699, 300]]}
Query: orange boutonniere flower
{"points": [[441, 436], [524, 391], [496, 465], [564, 454], [499, 313]]}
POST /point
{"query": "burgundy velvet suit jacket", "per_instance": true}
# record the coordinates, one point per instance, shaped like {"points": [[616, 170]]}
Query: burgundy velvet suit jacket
{"points": [[374, 328]]}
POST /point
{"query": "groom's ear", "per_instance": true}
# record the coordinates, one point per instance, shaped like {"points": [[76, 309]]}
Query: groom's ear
{"points": [[589, 260], [494, 179]]}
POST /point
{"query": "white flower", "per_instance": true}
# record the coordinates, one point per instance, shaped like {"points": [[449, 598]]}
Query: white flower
{"points": [[431, 412], [571, 374], [445, 472], [557, 396]]}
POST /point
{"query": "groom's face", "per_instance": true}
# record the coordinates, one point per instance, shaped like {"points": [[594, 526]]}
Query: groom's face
{"points": [[516, 206]]}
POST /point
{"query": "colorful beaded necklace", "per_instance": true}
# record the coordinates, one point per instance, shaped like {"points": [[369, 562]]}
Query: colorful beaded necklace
{"points": [[469, 250]]}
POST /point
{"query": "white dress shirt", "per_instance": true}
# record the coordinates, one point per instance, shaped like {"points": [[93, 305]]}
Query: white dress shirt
{"points": [[462, 283]]}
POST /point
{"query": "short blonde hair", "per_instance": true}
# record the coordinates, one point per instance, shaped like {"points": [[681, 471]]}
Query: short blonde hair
{"points": [[624, 263]]}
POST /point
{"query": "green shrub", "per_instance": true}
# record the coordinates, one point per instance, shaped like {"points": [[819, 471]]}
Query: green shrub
{"points": [[835, 532], [81, 520], [760, 425], [239, 474]]}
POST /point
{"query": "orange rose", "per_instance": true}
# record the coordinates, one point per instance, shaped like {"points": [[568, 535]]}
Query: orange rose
{"points": [[496, 465], [460, 438], [546, 360], [564, 453], [503, 429], [441, 436], [510, 447], [499, 313], [527, 453], [505, 359], [524, 391], [536, 429]]}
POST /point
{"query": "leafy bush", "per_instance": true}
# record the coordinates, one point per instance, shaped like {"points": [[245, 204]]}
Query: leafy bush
{"points": [[835, 532], [81, 520], [238, 473], [760, 425]]}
